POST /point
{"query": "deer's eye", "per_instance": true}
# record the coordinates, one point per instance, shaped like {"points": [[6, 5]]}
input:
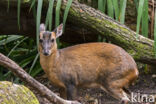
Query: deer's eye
{"points": [[41, 40], [52, 40]]}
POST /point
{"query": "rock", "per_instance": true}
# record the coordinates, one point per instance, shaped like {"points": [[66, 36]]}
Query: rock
{"points": [[11, 93]]}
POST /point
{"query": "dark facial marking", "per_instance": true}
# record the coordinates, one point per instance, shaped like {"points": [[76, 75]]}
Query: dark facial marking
{"points": [[41, 40], [52, 40], [46, 35]]}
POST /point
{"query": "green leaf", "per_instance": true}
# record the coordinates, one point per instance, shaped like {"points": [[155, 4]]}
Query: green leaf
{"points": [[34, 11], [27, 54], [16, 46], [11, 38], [104, 5], [136, 3], [49, 15], [66, 12], [18, 12], [39, 10], [99, 38], [110, 8], [145, 19], [155, 34], [140, 9], [122, 11], [100, 5], [37, 70], [4, 76], [116, 8], [26, 61], [34, 62], [32, 4], [57, 16]]}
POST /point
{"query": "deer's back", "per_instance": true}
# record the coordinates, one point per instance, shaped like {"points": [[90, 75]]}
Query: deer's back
{"points": [[87, 61]]}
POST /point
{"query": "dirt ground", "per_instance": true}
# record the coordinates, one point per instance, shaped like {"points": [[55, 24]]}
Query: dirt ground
{"points": [[146, 84]]}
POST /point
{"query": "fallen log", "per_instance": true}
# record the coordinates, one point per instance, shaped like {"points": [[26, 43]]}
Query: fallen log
{"points": [[19, 72], [141, 48]]}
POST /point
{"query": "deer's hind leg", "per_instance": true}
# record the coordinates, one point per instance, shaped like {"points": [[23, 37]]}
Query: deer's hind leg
{"points": [[116, 83], [119, 94], [115, 89]]}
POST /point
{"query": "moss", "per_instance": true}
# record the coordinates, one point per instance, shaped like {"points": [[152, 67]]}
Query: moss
{"points": [[13, 93]]}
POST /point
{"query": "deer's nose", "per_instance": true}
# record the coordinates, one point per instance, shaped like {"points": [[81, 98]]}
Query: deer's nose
{"points": [[46, 52]]}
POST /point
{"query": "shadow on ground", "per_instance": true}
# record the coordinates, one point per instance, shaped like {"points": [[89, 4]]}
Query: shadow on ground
{"points": [[146, 84]]}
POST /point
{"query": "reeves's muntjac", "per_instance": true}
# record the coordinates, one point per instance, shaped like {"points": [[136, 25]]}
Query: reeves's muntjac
{"points": [[102, 65]]}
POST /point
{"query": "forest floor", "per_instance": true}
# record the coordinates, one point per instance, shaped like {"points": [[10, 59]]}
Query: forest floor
{"points": [[145, 84]]}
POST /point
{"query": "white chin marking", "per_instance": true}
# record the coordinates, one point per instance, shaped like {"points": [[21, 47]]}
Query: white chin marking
{"points": [[49, 52]]}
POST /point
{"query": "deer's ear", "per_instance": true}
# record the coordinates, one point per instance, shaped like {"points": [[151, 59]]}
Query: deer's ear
{"points": [[42, 27], [59, 30]]}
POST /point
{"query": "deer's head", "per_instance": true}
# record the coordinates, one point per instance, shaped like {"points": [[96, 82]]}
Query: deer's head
{"points": [[47, 39]]}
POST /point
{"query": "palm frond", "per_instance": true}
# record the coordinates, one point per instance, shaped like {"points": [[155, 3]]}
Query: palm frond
{"points": [[116, 9], [66, 12], [140, 9], [34, 62], [57, 18], [16, 46], [100, 5], [110, 8], [145, 19], [9, 39], [49, 15], [32, 4], [122, 11], [18, 12], [57, 15], [39, 10]]}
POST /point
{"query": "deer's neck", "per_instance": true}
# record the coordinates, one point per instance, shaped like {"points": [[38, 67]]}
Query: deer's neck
{"points": [[48, 63]]}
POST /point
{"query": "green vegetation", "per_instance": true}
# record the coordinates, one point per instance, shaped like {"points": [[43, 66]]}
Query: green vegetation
{"points": [[23, 50]]}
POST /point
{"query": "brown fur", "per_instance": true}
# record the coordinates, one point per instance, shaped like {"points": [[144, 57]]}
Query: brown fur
{"points": [[89, 65]]}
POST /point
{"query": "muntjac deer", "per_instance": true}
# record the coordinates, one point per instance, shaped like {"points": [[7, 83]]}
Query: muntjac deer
{"points": [[102, 65]]}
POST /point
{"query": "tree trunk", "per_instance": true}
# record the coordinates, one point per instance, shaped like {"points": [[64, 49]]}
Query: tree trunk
{"points": [[141, 48], [11, 93]]}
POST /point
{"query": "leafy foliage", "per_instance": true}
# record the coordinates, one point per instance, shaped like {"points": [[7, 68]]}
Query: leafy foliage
{"points": [[23, 50]]}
